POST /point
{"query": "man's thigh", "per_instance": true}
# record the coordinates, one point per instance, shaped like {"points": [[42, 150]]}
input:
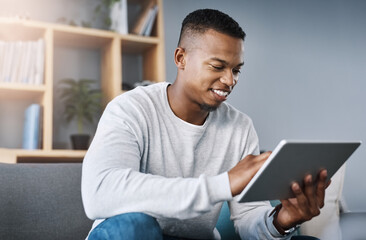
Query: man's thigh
{"points": [[127, 226]]}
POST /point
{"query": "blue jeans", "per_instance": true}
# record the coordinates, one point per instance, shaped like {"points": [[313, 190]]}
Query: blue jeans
{"points": [[138, 226], [129, 226]]}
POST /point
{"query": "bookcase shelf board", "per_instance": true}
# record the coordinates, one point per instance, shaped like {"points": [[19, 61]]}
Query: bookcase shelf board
{"points": [[77, 37], [137, 46], [10, 91], [16, 31]]}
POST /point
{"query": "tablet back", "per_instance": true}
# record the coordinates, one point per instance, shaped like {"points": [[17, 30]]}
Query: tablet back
{"points": [[291, 161]]}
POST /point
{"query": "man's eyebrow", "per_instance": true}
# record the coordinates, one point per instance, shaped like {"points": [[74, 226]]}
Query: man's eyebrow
{"points": [[225, 62], [240, 64]]}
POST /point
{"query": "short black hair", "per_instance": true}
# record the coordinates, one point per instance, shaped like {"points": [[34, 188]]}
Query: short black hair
{"points": [[201, 20]]}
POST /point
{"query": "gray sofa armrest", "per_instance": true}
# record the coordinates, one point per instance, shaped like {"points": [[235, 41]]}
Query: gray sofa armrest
{"points": [[42, 201]]}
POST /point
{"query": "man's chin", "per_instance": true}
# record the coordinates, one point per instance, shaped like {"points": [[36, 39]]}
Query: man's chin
{"points": [[209, 108]]}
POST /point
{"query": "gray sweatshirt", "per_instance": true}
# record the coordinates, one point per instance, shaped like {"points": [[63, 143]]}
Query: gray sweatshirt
{"points": [[143, 158]]}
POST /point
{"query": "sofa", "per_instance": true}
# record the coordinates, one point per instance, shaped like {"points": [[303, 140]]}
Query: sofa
{"points": [[43, 201]]}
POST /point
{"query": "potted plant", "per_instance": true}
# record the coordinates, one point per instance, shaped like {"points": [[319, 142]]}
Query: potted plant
{"points": [[106, 15], [82, 103], [114, 13]]}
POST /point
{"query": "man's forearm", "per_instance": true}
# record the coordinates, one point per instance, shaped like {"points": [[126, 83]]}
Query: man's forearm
{"points": [[106, 194]]}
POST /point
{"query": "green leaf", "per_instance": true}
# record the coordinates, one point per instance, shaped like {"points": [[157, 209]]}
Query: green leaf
{"points": [[82, 102]]}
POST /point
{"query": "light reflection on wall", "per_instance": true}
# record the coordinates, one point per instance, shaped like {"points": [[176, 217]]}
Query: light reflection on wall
{"points": [[52, 10]]}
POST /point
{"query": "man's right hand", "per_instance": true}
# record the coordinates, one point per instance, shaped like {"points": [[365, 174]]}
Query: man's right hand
{"points": [[244, 171]]}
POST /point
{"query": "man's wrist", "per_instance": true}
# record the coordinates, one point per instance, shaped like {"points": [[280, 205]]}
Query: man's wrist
{"points": [[279, 228]]}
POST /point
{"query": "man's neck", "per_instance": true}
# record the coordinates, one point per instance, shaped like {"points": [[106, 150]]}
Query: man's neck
{"points": [[183, 108]]}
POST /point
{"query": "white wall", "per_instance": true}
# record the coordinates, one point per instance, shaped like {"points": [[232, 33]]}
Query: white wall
{"points": [[50, 10], [304, 74]]}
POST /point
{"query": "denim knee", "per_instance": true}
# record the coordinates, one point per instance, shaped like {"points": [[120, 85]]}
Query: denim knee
{"points": [[127, 226]]}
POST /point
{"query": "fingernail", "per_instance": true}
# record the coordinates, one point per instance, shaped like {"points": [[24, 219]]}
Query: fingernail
{"points": [[310, 179]]}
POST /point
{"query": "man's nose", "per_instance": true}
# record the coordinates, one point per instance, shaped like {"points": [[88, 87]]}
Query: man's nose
{"points": [[228, 78]]}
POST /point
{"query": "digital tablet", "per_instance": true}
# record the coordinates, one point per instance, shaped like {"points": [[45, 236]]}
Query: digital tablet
{"points": [[291, 161]]}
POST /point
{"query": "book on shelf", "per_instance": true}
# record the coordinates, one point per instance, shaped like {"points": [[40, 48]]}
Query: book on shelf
{"points": [[25, 66], [22, 62], [118, 14], [31, 130], [151, 20], [17, 56], [145, 21], [31, 68], [8, 58], [39, 68], [40, 129], [20, 47]]}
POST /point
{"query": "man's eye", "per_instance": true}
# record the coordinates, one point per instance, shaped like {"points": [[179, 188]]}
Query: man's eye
{"points": [[217, 67], [236, 71]]}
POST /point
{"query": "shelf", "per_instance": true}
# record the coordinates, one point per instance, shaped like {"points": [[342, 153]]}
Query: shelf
{"points": [[139, 39], [20, 30], [133, 44], [17, 91], [15, 29], [41, 156], [81, 37]]}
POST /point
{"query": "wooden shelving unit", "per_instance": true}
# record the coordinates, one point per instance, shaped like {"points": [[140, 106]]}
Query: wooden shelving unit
{"points": [[12, 91], [112, 47]]}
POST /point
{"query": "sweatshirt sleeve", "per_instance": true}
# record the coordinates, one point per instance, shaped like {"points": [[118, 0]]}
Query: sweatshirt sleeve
{"points": [[113, 184], [252, 220]]}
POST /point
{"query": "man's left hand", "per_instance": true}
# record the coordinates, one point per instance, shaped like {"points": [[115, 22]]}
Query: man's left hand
{"points": [[307, 202]]}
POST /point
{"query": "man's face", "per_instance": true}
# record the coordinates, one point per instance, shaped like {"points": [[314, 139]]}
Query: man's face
{"points": [[212, 66]]}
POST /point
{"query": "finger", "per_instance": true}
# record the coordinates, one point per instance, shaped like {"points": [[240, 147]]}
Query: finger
{"points": [[257, 159], [293, 201], [321, 186], [323, 174], [310, 193], [254, 158], [264, 156], [309, 190], [289, 203], [248, 165], [303, 205]]}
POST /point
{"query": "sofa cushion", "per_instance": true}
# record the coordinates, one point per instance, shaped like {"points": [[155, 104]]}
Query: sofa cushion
{"points": [[225, 226], [42, 201]]}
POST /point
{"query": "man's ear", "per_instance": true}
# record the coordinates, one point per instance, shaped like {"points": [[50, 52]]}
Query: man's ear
{"points": [[179, 57]]}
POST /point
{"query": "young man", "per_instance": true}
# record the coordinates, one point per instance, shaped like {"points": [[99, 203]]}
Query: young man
{"points": [[165, 157]]}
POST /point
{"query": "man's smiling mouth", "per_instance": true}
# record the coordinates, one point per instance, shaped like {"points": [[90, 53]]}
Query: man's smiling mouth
{"points": [[221, 93]]}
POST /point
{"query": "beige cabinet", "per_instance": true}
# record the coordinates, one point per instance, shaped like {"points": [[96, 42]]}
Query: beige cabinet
{"points": [[112, 47]]}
